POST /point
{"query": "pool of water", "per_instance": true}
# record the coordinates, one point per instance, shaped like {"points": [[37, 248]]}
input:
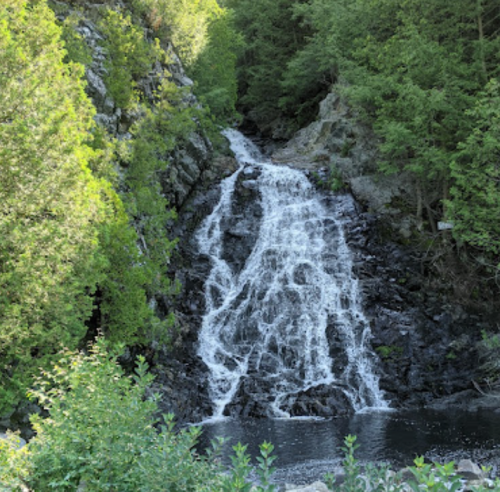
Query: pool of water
{"points": [[308, 448]]}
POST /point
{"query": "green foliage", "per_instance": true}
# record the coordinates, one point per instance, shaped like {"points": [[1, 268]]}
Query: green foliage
{"points": [[124, 312], [50, 204], [373, 477], [138, 256], [335, 179], [204, 37], [491, 341], [215, 68], [14, 463], [330, 480], [353, 482], [389, 351], [271, 35], [130, 56], [241, 468], [265, 468], [76, 48], [330, 29], [184, 23], [67, 245], [476, 191], [101, 434], [434, 478], [156, 135], [426, 477], [424, 74]]}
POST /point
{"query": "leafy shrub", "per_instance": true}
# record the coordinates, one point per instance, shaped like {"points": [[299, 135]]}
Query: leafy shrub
{"points": [[76, 49], [100, 436], [427, 477], [434, 478]]}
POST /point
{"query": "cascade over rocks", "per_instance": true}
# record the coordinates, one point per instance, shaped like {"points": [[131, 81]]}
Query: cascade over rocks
{"points": [[424, 340]]}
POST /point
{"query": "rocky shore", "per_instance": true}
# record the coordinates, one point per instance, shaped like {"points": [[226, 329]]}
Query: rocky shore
{"points": [[465, 476]]}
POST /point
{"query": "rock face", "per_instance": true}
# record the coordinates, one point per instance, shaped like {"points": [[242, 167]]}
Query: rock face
{"points": [[424, 339], [424, 342], [187, 163], [336, 141]]}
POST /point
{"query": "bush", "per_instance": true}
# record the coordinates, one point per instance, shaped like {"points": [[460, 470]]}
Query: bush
{"points": [[426, 477], [101, 436]]}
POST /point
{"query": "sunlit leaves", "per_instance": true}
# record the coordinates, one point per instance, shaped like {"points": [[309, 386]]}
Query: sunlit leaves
{"points": [[100, 432], [49, 202]]}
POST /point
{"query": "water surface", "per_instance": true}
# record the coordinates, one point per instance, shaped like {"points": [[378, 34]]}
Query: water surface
{"points": [[308, 448]]}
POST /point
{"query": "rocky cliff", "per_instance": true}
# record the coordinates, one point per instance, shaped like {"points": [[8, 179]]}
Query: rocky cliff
{"points": [[430, 343]]}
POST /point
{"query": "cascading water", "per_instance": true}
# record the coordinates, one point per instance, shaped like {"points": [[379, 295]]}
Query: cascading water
{"points": [[268, 322]]}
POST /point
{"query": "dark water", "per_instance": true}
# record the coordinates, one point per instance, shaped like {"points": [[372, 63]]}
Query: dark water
{"points": [[307, 449]]}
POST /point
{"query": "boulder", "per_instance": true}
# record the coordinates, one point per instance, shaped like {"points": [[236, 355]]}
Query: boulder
{"points": [[315, 487], [470, 470], [14, 439]]}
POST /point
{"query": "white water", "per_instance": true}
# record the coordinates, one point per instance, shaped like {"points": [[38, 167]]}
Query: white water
{"points": [[269, 321]]}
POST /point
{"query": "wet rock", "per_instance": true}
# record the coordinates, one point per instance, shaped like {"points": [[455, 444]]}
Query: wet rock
{"points": [[470, 470], [315, 487]]}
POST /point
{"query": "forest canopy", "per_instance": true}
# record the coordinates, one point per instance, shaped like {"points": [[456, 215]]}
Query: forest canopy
{"points": [[422, 73]]}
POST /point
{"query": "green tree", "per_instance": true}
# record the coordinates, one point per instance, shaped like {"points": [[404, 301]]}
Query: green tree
{"points": [[184, 23], [67, 246], [139, 258], [414, 91], [272, 36], [50, 204], [215, 68], [129, 56], [475, 197], [330, 30]]}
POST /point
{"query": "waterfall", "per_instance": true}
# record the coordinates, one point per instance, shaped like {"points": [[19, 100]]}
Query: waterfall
{"points": [[269, 321]]}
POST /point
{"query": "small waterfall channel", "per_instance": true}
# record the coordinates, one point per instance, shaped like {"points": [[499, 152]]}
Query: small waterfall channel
{"points": [[268, 325]]}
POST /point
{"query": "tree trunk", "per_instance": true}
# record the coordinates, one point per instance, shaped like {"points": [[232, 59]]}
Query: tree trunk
{"points": [[481, 38], [418, 189]]}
